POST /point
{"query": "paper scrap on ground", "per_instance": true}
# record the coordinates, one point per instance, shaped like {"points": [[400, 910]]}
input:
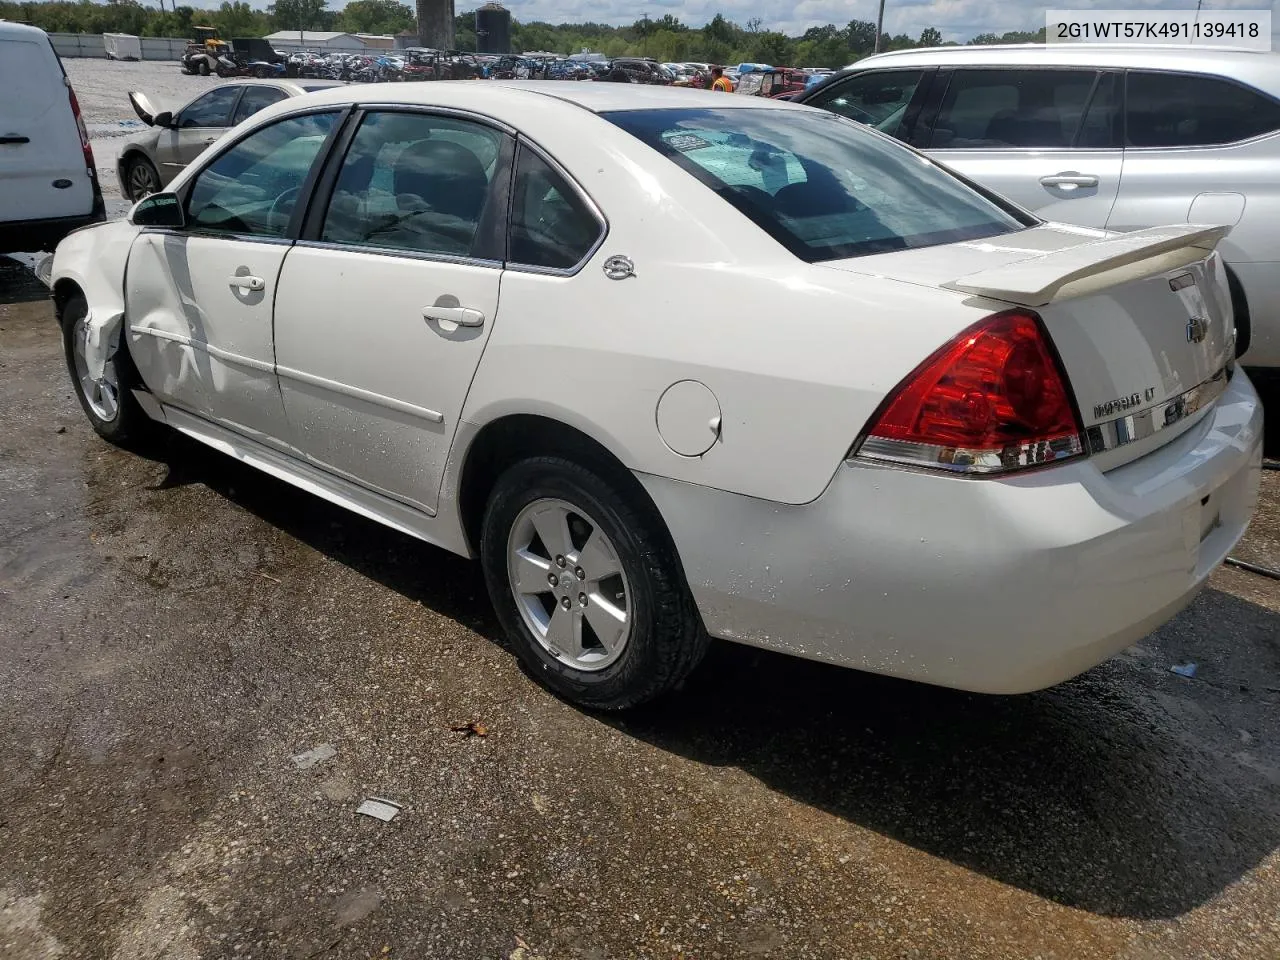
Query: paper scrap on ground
{"points": [[379, 809]]}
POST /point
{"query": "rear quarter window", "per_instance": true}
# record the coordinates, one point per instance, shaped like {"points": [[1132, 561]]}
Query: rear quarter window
{"points": [[1186, 110], [824, 187]]}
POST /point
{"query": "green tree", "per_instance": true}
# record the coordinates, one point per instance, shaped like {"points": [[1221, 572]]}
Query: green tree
{"points": [[299, 14], [375, 16], [238, 19], [930, 37]]}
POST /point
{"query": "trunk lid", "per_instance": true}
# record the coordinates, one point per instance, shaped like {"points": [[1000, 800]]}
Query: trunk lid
{"points": [[1142, 321]]}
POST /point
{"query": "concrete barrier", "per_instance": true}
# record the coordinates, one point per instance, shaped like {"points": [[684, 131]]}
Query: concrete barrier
{"points": [[91, 45]]}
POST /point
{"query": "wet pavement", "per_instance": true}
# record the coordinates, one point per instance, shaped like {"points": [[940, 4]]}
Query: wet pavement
{"points": [[174, 627]]}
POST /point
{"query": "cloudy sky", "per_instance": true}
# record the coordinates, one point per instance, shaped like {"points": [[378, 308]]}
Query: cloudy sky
{"points": [[957, 19]]}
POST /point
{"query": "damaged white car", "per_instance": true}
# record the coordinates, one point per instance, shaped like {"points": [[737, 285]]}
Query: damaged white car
{"points": [[675, 365]]}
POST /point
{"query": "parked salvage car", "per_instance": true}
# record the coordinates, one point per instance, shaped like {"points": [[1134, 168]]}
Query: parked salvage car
{"points": [[1103, 135], [895, 422], [150, 160]]}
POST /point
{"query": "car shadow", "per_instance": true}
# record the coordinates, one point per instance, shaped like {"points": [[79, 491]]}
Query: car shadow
{"points": [[18, 284], [1126, 792]]}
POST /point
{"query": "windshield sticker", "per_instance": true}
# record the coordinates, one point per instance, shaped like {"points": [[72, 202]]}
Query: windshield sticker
{"points": [[684, 142]]}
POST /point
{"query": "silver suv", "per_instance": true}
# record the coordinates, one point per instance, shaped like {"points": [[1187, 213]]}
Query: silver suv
{"points": [[1113, 136]]}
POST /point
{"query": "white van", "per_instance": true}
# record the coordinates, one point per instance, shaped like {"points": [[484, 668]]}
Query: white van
{"points": [[48, 181]]}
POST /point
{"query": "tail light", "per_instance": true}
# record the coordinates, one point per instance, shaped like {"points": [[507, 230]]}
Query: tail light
{"points": [[993, 400], [84, 133]]}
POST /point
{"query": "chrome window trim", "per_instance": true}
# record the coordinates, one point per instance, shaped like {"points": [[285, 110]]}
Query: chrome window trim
{"points": [[217, 235], [592, 207], [368, 106], [1104, 437], [399, 252]]}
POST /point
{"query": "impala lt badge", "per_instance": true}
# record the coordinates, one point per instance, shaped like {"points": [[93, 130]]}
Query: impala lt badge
{"points": [[1197, 329]]}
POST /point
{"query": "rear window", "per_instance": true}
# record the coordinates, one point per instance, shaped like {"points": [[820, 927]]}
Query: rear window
{"points": [[823, 187]]}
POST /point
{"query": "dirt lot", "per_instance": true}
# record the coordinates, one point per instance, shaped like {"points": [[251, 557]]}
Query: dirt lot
{"points": [[174, 627]]}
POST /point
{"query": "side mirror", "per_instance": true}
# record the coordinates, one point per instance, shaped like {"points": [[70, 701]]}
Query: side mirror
{"points": [[158, 210], [163, 119]]}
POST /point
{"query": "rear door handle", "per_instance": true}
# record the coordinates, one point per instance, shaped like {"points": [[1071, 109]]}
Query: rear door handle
{"points": [[212, 140], [248, 283], [14, 139], [462, 316], [1070, 180]]}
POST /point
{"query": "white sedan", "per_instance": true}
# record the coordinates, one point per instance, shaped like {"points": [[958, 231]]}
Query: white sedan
{"points": [[675, 365]]}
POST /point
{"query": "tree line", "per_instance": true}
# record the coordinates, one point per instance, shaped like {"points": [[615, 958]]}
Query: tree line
{"points": [[666, 39]]}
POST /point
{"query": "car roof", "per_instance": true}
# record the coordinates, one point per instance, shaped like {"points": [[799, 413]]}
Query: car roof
{"points": [[501, 97], [1260, 68]]}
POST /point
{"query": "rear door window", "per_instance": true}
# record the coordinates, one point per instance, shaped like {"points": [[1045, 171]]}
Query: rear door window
{"points": [[414, 182], [878, 98], [824, 188], [211, 110], [995, 109], [1186, 110], [255, 99]]}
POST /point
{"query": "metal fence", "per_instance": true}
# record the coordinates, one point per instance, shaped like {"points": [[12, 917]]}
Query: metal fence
{"points": [[91, 45]]}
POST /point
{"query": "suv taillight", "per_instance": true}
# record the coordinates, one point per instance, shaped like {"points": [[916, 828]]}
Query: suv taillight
{"points": [[994, 399], [84, 133]]}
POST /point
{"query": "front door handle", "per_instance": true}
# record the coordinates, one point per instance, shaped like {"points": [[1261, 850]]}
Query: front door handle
{"points": [[462, 316], [14, 138], [1070, 180], [212, 140], [255, 284]]}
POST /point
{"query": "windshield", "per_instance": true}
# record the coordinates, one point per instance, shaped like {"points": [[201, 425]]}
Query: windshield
{"points": [[822, 186]]}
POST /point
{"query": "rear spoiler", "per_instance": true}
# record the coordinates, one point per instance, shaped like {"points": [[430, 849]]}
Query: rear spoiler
{"points": [[1090, 267]]}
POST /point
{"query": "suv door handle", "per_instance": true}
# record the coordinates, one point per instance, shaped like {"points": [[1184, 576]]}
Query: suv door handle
{"points": [[255, 284], [1070, 180], [462, 316], [14, 139]]}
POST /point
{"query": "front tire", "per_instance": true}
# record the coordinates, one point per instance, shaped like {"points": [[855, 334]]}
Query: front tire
{"points": [[141, 179], [587, 586], [109, 403]]}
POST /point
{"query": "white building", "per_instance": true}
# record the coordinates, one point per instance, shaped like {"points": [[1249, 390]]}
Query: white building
{"points": [[322, 41]]}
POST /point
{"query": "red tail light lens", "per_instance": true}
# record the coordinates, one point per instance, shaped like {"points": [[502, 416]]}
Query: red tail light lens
{"points": [[84, 133], [992, 400]]}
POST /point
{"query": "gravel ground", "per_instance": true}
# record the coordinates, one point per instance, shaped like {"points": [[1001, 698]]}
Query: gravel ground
{"points": [[174, 627]]}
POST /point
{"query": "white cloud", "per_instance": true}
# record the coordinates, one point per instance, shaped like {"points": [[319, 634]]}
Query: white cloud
{"points": [[956, 19]]}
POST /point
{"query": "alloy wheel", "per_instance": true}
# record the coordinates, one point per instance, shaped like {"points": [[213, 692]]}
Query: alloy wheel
{"points": [[142, 181], [569, 584], [103, 396]]}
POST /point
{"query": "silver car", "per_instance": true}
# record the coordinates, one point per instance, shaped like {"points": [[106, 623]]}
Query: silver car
{"points": [[150, 160], [1102, 135]]}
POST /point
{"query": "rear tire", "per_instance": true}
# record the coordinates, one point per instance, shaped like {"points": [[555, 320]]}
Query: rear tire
{"points": [[109, 404], [606, 640]]}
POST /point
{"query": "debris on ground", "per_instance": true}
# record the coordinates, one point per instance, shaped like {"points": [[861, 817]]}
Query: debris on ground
{"points": [[523, 951], [318, 754], [1187, 670], [380, 809], [473, 729], [540, 803]]}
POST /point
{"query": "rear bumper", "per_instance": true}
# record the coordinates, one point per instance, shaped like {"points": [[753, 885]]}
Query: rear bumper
{"points": [[996, 586], [32, 236]]}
